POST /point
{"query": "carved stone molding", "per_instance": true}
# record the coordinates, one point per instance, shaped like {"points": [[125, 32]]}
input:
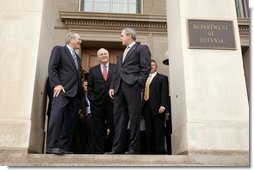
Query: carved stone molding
{"points": [[112, 21], [243, 24], [244, 30]]}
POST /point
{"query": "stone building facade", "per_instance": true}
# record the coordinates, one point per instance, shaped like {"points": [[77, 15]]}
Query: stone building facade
{"points": [[30, 30]]}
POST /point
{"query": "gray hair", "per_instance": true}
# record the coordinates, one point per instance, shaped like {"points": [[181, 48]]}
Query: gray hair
{"points": [[98, 52], [130, 31], [69, 36]]}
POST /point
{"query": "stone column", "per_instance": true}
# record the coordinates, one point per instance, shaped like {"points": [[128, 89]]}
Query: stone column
{"points": [[26, 42], [207, 86]]}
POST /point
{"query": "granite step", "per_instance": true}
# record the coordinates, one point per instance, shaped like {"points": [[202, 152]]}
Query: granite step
{"points": [[21, 159]]}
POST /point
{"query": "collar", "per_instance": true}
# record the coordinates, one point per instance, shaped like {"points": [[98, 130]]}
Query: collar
{"points": [[130, 45], [153, 74], [70, 48], [101, 65]]}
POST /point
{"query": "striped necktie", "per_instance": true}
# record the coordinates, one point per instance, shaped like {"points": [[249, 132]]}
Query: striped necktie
{"points": [[74, 56], [105, 72]]}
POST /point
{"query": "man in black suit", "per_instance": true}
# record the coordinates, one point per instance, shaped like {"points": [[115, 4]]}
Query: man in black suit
{"points": [[155, 105], [99, 80], [65, 81], [133, 67]]}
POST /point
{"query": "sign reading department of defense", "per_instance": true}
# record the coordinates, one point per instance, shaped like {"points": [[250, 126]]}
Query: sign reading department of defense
{"points": [[211, 34]]}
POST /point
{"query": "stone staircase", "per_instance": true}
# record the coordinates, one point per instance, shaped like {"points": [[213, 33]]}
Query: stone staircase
{"points": [[224, 159]]}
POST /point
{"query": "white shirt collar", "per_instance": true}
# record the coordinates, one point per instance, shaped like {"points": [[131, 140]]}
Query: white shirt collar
{"points": [[70, 48], [130, 45], [101, 65], [153, 74]]}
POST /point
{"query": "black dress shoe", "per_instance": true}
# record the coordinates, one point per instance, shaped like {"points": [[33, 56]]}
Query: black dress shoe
{"points": [[48, 150], [68, 152], [131, 152], [112, 152], [55, 151]]}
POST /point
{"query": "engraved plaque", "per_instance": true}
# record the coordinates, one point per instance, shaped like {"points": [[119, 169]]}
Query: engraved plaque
{"points": [[211, 34]]}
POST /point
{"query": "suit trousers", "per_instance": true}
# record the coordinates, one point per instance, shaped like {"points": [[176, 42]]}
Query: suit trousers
{"points": [[155, 130], [102, 116], [62, 121], [127, 106]]}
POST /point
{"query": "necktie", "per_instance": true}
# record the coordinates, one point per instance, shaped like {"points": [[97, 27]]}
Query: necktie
{"points": [[148, 81], [105, 72], [125, 52], [74, 56]]}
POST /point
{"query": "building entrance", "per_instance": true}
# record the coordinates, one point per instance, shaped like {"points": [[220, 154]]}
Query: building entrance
{"points": [[89, 52]]}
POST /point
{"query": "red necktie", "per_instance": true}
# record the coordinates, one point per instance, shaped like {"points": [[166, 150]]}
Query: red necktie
{"points": [[105, 72]]}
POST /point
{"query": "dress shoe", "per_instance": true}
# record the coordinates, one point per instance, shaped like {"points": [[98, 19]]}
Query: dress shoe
{"points": [[112, 152], [55, 151], [131, 152], [48, 150], [68, 152]]}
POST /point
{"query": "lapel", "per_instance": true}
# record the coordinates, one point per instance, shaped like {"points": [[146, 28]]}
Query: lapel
{"points": [[98, 71], [109, 70], [129, 53], [154, 78], [67, 51]]}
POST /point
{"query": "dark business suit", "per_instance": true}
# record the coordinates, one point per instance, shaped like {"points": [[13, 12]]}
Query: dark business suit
{"points": [[168, 128], [130, 79], [101, 106], [154, 121], [65, 107]]}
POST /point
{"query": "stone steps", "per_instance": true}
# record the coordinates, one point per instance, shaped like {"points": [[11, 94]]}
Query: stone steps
{"points": [[21, 159]]}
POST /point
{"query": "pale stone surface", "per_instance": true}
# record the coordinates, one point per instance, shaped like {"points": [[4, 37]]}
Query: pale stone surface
{"points": [[208, 9], [199, 159], [155, 7], [18, 62], [40, 94], [24, 5], [14, 134], [26, 33], [208, 91], [218, 136], [179, 139], [160, 45]]}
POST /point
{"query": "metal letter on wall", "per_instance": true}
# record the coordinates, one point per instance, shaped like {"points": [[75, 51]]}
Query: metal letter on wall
{"points": [[211, 34]]}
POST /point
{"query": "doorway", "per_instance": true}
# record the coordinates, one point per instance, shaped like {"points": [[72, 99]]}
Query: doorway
{"points": [[89, 52]]}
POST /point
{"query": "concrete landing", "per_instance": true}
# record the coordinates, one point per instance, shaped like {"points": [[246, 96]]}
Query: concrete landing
{"points": [[225, 159]]}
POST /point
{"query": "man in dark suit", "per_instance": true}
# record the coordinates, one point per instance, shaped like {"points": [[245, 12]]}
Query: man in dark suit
{"points": [[65, 81], [133, 67], [99, 80], [155, 105]]}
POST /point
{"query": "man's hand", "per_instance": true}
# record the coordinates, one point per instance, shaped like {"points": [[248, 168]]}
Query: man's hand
{"points": [[82, 116], [162, 109], [111, 93], [167, 116], [57, 90]]}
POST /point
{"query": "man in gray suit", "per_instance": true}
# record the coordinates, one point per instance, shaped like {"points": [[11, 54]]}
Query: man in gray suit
{"points": [[133, 67], [64, 71]]}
